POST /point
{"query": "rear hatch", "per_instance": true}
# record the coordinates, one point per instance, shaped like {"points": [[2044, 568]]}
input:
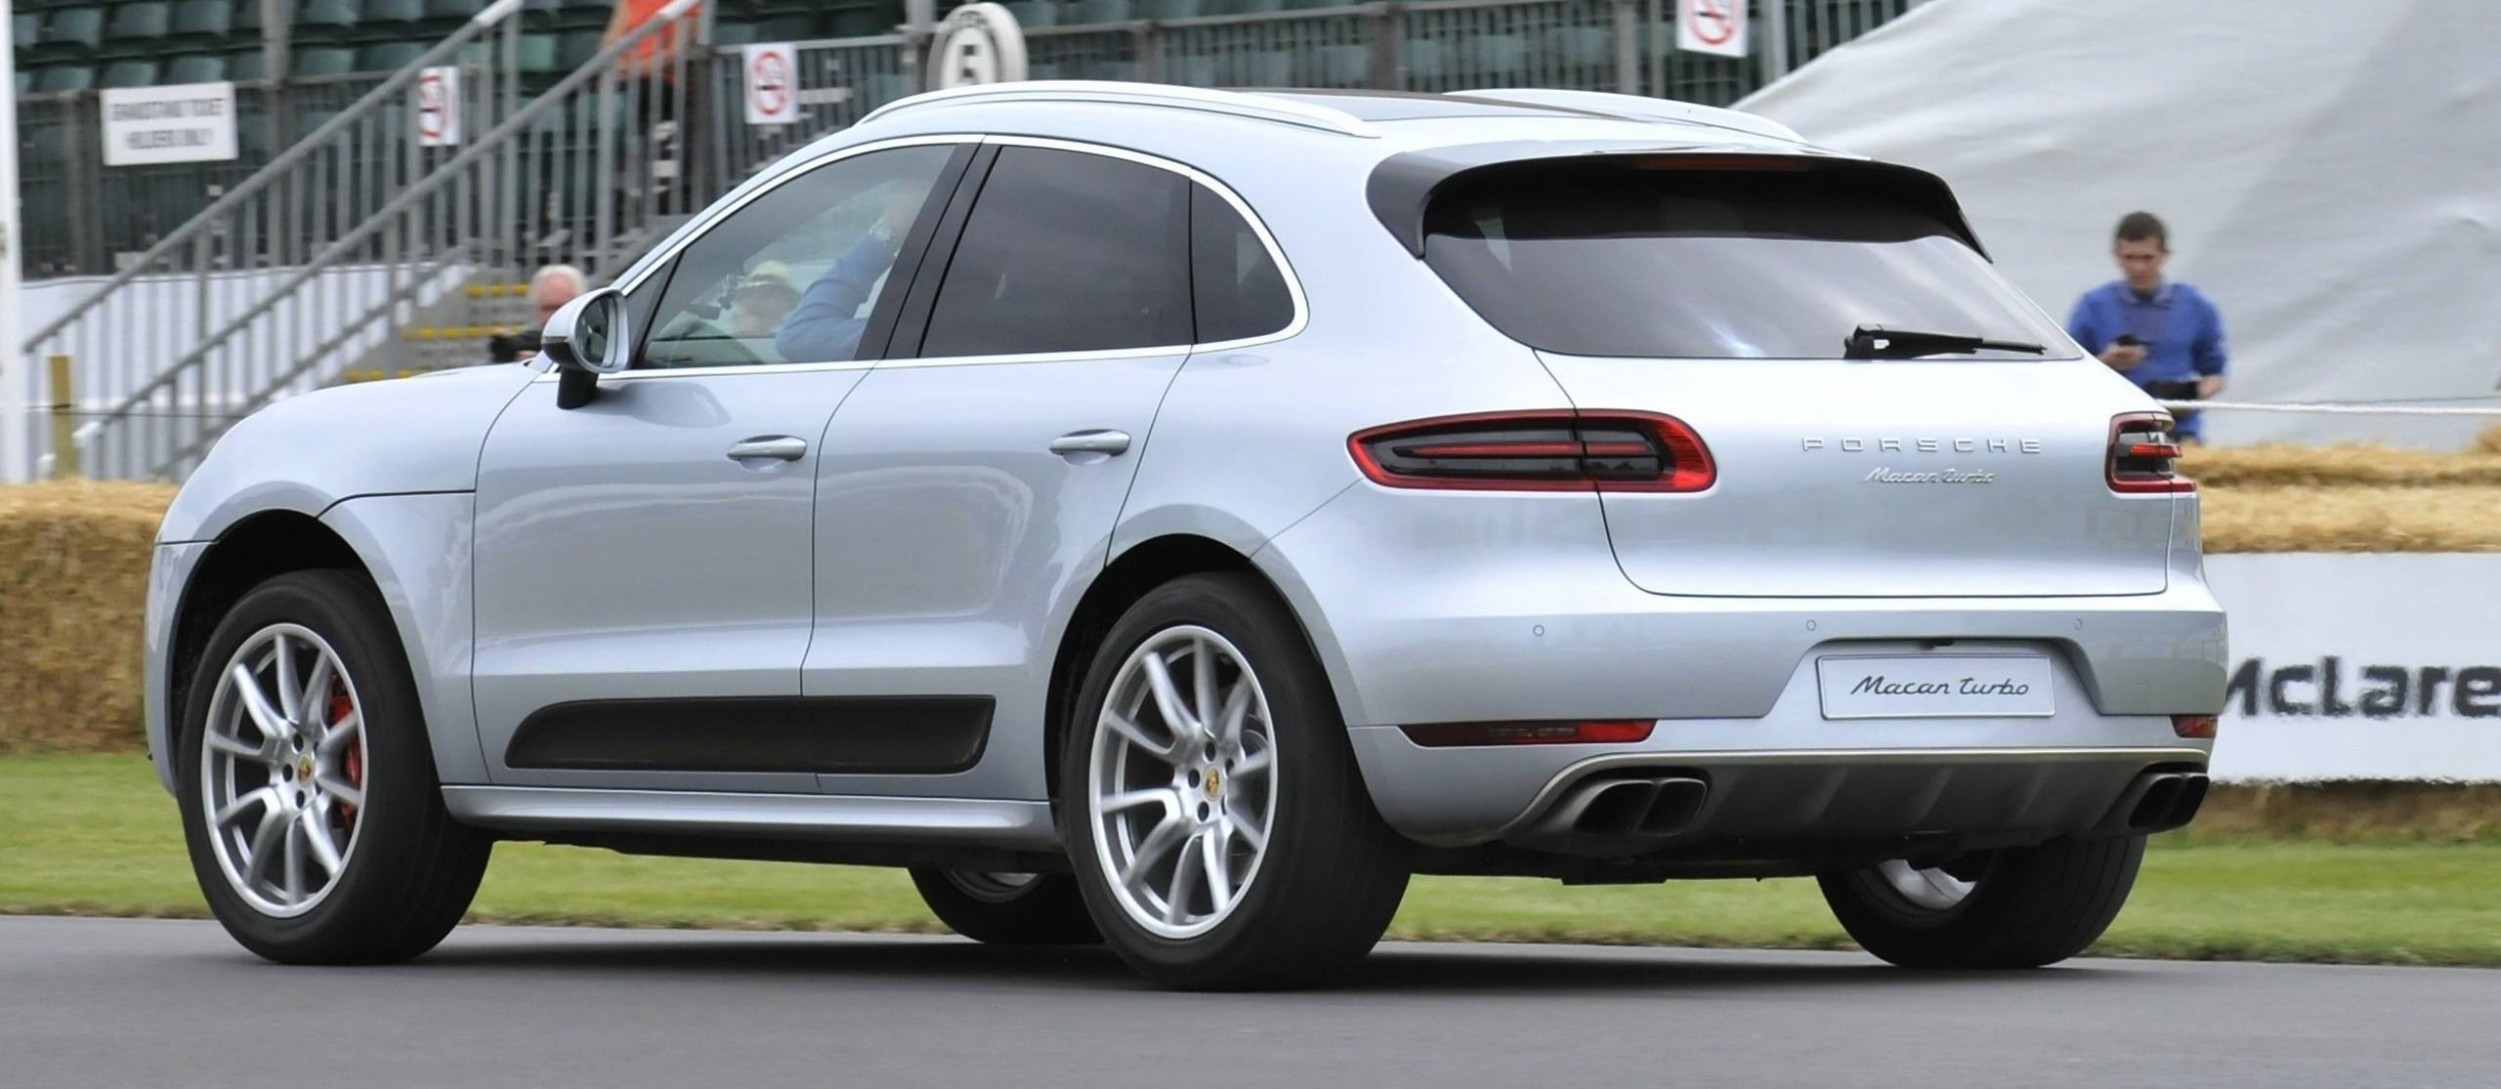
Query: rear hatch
{"points": [[1745, 296]]}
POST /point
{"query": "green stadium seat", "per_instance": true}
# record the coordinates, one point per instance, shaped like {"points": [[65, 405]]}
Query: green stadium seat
{"points": [[453, 9], [26, 31], [575, 48], [141, 22], [860, 23], [25, 80], [1190, 71], [321, 61], [1307, 5], [65, 77], [1099, 11], [388, 56], [202, 19], [786, 28], [245, 17], [391, 11], [247, 65], [1044, 71], [129, 73], [1034, 14], [538, 53], [195, 68], [325, 13], [75, 26], [724, 33], [1249, 7], [253, 135], [1115, 71], [1170, 9]]}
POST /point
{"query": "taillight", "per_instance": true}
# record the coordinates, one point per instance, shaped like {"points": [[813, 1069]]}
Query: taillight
{"points": [[2143, 456], [1454, 734], [1538, 451], [2194, 726]]}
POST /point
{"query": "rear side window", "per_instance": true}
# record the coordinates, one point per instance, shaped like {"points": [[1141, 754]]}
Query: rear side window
{"points": [[1641, 258], [1067, 252], [1237, 288]]}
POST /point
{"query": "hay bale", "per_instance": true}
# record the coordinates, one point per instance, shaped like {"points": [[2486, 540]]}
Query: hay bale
{"points": [[73, 586], [2306, 519], [2278, 464]]}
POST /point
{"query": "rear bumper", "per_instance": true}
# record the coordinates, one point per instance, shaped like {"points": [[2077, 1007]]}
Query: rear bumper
{"points": [[1495, 607]]}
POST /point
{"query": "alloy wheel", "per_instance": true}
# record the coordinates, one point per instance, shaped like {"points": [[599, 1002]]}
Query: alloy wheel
{"points": [[1182, 782], [282, 769]]}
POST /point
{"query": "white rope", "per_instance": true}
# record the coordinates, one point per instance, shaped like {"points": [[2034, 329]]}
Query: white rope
{"points": [[2333, 409]]}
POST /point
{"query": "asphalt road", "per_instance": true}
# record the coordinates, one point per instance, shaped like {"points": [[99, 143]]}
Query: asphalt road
{"points": [[100, 1002]]}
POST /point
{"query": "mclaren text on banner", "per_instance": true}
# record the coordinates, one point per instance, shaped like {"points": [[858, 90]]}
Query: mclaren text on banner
{"points": [[2379, 666]]}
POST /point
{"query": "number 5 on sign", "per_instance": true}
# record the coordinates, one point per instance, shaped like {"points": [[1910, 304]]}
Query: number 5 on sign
{"points": [[772, 84], [1711, 26]]}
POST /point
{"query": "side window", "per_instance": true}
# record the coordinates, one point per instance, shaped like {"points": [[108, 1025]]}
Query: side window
{"points": [[793, 276], [1236, 287], [1067, 252]]}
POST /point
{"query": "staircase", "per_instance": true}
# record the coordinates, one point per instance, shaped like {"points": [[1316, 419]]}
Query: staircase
{"points": [[353, 253]]}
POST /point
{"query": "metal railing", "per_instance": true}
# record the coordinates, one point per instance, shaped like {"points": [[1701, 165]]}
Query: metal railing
{"points": [[322, 259]]}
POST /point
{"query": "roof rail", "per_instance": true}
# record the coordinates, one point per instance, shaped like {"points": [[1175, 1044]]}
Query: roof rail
{"points": [[1640, 108], [1257, 107]]}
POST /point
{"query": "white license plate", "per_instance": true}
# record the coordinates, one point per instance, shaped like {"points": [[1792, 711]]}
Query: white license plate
{"points": [[1959, 686]]}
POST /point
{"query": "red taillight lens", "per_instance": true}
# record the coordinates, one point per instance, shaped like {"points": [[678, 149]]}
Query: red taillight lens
{"points": [[2143, 456], [2197, 726], [1538, 451], [1442, 735]]}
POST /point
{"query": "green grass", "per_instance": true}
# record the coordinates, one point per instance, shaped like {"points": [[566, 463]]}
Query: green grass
{"points": [[94, 835]]}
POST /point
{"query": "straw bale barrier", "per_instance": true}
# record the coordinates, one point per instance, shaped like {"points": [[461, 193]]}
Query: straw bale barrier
{"points": [[73, 581], [74, 560]]}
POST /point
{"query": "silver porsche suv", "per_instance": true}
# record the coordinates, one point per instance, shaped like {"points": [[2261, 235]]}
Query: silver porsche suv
{"points": [[1172, 518]]}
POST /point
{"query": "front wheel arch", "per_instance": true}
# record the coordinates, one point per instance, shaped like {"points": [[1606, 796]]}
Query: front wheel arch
{"points": [[254, 550]]}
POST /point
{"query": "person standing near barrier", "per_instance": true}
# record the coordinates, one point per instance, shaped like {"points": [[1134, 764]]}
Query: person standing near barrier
{"points": [[2163, 335], [550, 288]]}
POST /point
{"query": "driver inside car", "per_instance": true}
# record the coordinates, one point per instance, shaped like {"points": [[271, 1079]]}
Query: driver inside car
{"points": [[826, 325]]}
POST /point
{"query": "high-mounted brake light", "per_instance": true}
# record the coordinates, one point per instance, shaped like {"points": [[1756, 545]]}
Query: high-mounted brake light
{"points": [[1440, 735], [2143, 456], [1556, 450]]}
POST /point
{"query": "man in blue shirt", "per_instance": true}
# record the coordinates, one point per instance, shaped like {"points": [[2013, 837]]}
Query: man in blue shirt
{"points": [[2164, 336]]}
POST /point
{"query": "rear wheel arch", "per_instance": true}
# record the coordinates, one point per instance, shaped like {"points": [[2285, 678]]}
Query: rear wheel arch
{"points": [[1130, 576], [253, 551]]}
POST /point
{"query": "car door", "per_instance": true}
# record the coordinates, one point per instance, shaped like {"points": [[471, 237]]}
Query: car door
{"points": [[644, 561], [974, 477]]}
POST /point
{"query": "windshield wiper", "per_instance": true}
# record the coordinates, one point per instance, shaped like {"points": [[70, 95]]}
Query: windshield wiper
{"points": [[1878, 342]]}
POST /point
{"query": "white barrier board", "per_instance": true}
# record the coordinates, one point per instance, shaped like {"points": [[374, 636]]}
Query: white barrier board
{"points": [[2379, 666]]}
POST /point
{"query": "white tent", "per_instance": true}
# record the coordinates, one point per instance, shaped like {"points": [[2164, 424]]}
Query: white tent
{"points": [[2330, 171]]}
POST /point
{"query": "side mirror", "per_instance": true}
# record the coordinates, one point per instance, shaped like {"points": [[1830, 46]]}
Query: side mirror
{"points": [[586, 339]]}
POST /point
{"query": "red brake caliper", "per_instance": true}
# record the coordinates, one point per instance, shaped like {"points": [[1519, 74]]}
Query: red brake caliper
{"points": [[354, 762]]}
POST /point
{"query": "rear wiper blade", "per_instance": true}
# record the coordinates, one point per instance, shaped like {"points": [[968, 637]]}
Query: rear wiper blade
{"points": [[1878, 342]]}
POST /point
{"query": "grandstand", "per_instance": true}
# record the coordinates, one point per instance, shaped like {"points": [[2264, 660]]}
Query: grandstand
{"points": [[334, 248]]}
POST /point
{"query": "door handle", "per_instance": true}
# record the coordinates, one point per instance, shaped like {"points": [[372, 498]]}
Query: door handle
{"points": [[772, 447], [1095, 441]]}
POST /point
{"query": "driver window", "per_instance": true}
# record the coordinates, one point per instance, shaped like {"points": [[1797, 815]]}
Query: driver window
{"points": [[793, 276]]}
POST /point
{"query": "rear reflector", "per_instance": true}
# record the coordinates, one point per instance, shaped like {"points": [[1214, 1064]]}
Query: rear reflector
{"points": [[2143, 456], [2197, 726], [1555, 450], [1441, 735]]}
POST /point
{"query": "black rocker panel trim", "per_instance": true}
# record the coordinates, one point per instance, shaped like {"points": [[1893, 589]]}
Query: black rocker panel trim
{"points": [[831, 735]]}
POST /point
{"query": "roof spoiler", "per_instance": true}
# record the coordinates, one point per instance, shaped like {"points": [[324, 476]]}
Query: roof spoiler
{"points": [[1640, 108]]}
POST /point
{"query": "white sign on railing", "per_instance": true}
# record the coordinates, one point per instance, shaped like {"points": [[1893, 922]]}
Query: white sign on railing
{"points": [[1711, 26], [2377, 666], [183, 123], [438, 107], [772, 83]]}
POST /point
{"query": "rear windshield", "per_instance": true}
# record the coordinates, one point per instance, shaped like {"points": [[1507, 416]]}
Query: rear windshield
{"points": [[1645, 259]]}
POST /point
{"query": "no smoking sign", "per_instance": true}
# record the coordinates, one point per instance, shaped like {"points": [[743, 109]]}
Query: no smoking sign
{"points": [[772, 84], [1711, 26], [438, 107]]}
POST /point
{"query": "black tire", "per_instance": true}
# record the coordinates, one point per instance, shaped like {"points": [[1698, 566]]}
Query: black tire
{"points": [[1332, 874], [410, 871], [2028, 906], [1042, 909]]}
